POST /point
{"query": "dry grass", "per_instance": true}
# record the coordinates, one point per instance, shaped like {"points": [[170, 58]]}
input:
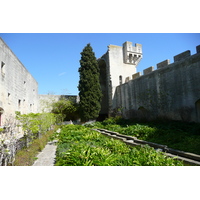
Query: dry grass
{"points": [[27, 156]]}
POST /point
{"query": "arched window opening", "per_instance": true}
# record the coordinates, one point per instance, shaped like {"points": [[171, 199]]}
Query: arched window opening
{"points": [[2, 68], [19, 104], [105, 84], [120, 80], [130, 58]]}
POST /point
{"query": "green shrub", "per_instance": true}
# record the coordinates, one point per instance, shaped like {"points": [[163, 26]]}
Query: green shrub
{"points": [[174, 134], [80, 146]]}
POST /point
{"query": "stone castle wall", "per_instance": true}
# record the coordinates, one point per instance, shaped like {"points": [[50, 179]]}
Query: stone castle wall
{"points": [[172, 90], [116, 67], [18, 88], [46, 100]]}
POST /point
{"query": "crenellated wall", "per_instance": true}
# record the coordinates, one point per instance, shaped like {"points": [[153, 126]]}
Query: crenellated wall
{"points": [[116, 65], [172, 90]]}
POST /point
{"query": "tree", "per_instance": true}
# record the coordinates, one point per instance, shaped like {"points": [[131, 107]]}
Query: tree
{"points": [[89, 85], [66, 109]]}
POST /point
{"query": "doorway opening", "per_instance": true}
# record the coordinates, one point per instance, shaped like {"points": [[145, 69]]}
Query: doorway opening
{"points": [[104, 88]]}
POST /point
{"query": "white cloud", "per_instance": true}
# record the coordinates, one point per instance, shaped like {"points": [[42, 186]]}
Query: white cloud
{"points": [[61, 74]]}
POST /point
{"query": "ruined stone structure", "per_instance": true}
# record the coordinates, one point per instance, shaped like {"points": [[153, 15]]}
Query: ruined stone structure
{"points": [[172, 90], [116, 67], [18, 88], [46, 100]]}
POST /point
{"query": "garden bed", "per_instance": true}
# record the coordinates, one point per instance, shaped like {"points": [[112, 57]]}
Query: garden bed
{"points": [[80, 146], [174, 134]]}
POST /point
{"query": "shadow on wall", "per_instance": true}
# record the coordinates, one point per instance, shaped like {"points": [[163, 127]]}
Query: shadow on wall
{"points": [[197, 106], [171, 91], [149, 113], [104, 89]]}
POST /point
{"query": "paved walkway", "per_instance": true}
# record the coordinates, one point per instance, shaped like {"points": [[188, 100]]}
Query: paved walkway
{"points": [[47, 156]]}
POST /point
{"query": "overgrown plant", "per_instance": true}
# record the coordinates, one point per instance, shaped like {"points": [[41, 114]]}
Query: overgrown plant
{"points": [[81, 146], [27, 156], [35, 127], [65, 110], [35, 124], [175, 134]]}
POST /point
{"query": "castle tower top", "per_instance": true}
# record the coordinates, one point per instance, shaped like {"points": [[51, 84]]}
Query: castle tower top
{"points": [[132, 54]]}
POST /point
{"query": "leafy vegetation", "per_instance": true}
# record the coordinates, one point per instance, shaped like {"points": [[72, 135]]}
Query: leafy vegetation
{"points": [[27, 156], [175, 134], [89, 85], [36, 135], [35, 124], [65, 110], [80, 146]]}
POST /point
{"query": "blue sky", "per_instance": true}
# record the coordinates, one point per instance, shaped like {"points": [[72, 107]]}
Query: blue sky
{"points": [[53, 58]]}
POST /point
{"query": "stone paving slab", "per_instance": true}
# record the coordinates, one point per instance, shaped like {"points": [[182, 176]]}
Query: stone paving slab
{"points": [[47, 156]]}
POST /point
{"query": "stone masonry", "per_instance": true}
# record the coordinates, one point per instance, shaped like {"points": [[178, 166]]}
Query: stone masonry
{"points": [[18, 88], [171, 91], [116, 67]]}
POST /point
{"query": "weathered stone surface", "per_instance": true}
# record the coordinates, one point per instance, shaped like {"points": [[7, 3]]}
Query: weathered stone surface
{"points": [[47, 156], [18, 88], [132, 54], [172, 91], [127, 79], [198, 48], [136, 75], [115, 65], [163, 64], [182, 56], [148, 70], [46, 99]]}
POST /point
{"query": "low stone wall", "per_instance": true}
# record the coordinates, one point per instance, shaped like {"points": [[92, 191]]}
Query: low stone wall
{"points": [[10, 146], [186, 157]]}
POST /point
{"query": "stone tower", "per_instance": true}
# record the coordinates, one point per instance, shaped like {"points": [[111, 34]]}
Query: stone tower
{"points": [[116, 67]]}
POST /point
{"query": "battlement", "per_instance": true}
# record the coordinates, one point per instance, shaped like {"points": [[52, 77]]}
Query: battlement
{"points": [[178, 58], [182, 56], [132, 54]]}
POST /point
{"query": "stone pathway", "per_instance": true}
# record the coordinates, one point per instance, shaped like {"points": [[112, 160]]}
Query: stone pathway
{"points": [[47, 156]]}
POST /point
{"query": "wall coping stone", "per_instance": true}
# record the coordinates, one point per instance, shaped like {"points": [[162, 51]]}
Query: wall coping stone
{"points": [[148, 70], [182, 56]]}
